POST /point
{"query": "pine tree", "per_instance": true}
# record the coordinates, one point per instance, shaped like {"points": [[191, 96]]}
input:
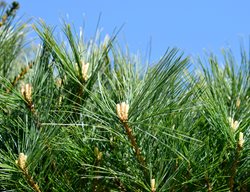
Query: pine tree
{"points": [[85, 115]]}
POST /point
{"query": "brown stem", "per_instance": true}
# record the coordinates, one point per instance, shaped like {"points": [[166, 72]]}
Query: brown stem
{"points": [[97, 163], [134, 144], [23, 72], [18, 77], [188, 177], [120, 185], [31, 107], [234, 168], [175, 169], [209, 187], [30, 180]]}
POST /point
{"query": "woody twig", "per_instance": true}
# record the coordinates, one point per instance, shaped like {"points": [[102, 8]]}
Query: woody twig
{"points": [[26, 91], [122, 112], [21, 162], [20, 75], [236, 160]]}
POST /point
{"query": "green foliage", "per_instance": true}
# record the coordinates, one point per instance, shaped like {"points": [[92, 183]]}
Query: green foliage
{"points": [[62, 130], [11, 38]]}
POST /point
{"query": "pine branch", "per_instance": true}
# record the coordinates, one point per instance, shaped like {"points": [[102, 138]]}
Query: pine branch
{"points": [[9, 13], [120, 185], [98, 155], [208, 184], [21, 162], [21, 75], [26, 91], [133, 142], [122, 112], [235, 162]]}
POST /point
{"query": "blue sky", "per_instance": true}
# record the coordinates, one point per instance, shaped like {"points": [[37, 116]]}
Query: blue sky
{"points": [[191, 25]]}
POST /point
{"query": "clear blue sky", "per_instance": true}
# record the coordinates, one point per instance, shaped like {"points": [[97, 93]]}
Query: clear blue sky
{"points": [[192, 25]]}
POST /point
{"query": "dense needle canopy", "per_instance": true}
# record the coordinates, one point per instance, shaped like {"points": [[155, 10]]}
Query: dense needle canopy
{"points": [[85, 115]]}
